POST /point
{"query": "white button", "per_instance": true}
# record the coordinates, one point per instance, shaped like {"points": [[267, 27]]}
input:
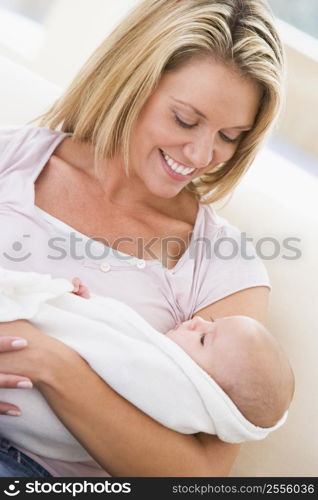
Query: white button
{"points": [[141, 264], [105, 267]]}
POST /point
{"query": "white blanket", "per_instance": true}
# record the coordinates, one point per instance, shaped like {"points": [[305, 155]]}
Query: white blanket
{"points": [[141, 364]]}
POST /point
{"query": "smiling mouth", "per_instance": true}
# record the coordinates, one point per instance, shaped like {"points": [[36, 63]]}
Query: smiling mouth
{"points": [[175, 166]]}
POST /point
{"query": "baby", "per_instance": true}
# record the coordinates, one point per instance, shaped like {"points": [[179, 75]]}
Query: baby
{"points": [[227, 377], [243, 358]]}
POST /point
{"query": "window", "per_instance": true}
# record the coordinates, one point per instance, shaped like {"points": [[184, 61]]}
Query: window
{"points": [[21, 26], [300, 13], [33, 9], [297, 22]]}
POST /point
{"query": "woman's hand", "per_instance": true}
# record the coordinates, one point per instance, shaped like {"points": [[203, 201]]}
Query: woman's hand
{"points": [[28, 356], [12, 344], [41, 360], [35, 358]]}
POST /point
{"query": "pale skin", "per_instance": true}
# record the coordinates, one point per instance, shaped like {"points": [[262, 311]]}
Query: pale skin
{"points": [[149, 204], [213, 344]]}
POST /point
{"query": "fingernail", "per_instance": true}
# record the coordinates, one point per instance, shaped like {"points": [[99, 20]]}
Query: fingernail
{"points": [[19, 343], [25, 384], [13, 413]]}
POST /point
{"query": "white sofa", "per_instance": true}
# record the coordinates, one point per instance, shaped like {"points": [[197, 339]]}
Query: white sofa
{"points": [[275, 200]]}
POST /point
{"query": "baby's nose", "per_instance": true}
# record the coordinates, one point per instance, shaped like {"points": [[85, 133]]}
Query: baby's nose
{"points": [[197, 321]]}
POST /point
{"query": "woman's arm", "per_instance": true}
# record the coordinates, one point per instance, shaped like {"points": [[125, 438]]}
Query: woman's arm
{"points": [[124, 440], [121, 438], [251, 302]]}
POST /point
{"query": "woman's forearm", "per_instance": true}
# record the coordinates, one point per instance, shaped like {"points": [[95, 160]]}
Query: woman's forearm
{"points": [[121, 438]]}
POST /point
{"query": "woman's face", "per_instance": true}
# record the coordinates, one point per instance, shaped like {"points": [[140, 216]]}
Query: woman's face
{"points": [[193, 121]]}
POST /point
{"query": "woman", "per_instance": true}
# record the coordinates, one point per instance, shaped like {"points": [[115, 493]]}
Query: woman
{"points": [[163, 119]]}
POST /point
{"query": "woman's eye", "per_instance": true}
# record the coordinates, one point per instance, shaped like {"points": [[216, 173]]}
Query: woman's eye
{"points": [[228, 139], [184, 124], [202, 339]]}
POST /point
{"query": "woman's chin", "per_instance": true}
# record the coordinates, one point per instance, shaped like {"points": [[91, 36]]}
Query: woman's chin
{"points": [[162, 190]]}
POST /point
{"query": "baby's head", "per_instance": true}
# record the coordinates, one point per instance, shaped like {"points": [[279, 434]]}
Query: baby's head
{"points": [[245, 360]]}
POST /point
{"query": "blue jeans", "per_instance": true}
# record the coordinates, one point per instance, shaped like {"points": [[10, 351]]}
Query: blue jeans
{"points": [[14, 463]]}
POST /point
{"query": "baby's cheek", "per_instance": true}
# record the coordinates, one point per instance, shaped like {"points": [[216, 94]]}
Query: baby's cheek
{"points": [[174, 335]]}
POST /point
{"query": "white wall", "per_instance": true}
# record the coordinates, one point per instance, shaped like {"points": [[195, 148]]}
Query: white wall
{"points": [[74, 28]]}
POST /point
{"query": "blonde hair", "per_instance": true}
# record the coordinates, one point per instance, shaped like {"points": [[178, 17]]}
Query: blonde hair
{"points": [[102, 104]]}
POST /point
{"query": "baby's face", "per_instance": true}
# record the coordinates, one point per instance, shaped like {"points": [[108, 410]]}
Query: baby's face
{"points": [[213, 345], [245, 360]]}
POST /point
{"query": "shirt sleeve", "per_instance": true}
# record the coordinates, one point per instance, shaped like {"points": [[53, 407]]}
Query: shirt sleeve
{"points": [[6, 138], [23, 153], [230, 265], [14, 143]]}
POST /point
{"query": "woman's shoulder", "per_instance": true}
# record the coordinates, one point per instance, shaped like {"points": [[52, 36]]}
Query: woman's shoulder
{"points": [[17, 134], [226, 260], [212, 224], [25, 142], [204, 219]]}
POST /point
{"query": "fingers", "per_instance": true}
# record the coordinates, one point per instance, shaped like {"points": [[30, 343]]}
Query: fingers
{"points": [[76, 282], [83, 292], [12, 343], [80, 289], [14, 382], [8, 409]]}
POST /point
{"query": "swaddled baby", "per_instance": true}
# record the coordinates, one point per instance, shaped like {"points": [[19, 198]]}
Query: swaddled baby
{"points": [[243, 358], [240, 391]]}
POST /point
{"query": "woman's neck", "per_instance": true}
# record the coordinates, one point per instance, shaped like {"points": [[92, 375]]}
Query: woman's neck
{"points": [[119, 190]]}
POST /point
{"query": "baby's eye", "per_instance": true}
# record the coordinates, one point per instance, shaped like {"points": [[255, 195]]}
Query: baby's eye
{"points": [[202, 339]]}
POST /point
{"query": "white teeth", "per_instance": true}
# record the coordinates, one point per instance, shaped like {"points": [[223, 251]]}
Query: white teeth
{"points": [[180, 170], [176, 167], [169, 161]]}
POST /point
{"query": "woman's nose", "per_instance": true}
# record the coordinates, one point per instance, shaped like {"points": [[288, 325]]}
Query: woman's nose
{"points": [[200, 152]]}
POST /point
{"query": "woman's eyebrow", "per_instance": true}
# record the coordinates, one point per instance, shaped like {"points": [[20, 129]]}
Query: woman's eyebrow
{"points": [[190, 106], [241, 127]]}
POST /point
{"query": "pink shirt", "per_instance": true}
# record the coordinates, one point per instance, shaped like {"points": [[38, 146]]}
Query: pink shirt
{"points": [[215, 265]]}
